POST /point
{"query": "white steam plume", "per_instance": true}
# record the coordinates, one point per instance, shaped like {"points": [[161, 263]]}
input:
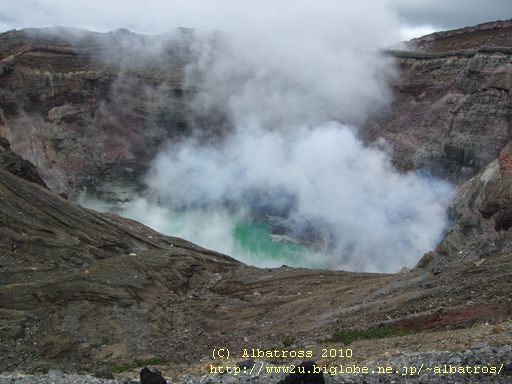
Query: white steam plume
{"points": [[382, 220], [292, 76]]}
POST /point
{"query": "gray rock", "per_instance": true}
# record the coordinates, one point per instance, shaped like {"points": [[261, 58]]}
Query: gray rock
{"points": [[55, 373], [104, 373]]}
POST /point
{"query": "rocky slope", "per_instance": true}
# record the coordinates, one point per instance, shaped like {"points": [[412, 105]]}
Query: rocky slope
{"points": [[80, 290]]}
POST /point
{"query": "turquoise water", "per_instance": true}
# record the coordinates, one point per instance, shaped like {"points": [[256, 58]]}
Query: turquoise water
{"points": [[254, 238]]}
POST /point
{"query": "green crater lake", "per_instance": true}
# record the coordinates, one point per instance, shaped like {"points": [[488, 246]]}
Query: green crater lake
{"points": [[255, 238]]}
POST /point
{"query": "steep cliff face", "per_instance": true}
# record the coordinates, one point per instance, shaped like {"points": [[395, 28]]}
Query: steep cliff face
{"points": [[89, 108], [452, 117], [452, 112], [74, 281]]}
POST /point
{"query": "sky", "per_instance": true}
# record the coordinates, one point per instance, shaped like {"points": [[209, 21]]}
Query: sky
{"points": [[416, 17]]}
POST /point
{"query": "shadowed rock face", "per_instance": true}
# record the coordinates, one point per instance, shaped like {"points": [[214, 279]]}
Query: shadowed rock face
{"points": [[482, 215], [17, 165]]}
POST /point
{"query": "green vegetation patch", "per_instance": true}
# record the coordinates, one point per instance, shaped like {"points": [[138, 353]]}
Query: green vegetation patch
{"points": [[39, 371], [351, 335], [288, 342]]}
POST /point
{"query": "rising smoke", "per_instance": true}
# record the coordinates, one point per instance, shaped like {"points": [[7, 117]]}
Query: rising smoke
{"points": [[280, 87], [292, 79], [381, 220]]}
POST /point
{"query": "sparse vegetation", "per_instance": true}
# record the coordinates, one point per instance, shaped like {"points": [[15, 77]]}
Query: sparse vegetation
{"points": [[288, 341], [351, 335], [137, 363], [39, 371]]}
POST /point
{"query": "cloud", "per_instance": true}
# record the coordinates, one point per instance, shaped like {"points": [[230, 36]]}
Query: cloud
{"points": [[409, 32], [160, 16]]}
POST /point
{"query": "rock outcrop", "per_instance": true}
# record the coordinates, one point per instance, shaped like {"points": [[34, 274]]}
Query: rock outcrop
{"points": [[16, 165], [482, 216]]}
